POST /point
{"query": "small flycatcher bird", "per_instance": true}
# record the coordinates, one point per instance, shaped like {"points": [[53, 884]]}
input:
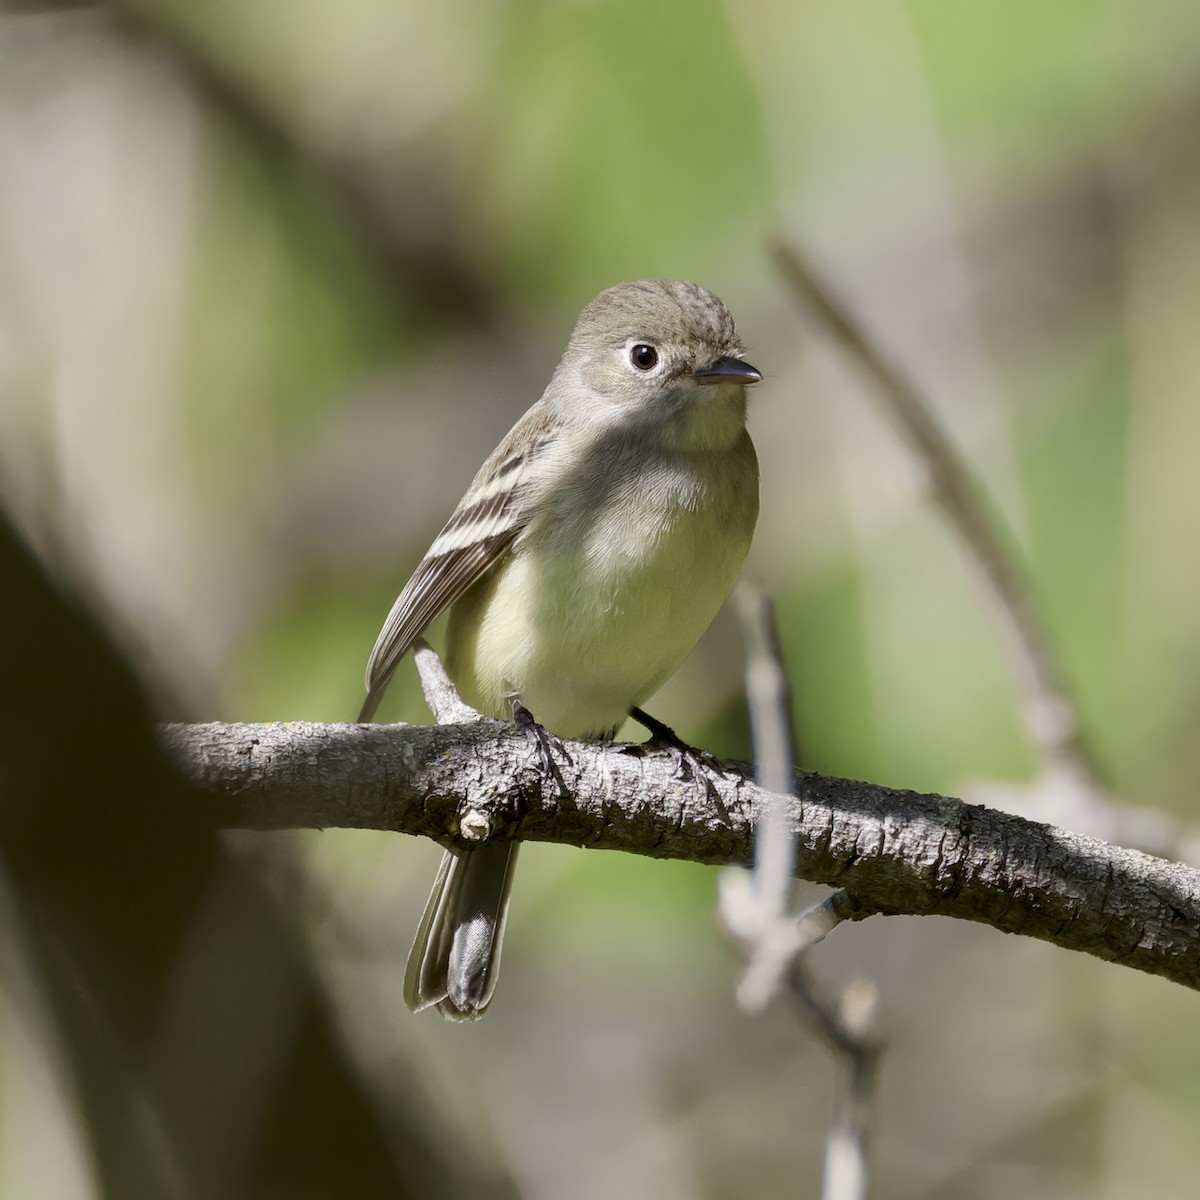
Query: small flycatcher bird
{"points": [[590, 553]]}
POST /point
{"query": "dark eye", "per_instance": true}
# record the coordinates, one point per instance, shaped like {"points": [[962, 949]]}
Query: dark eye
{"points": [[644, 357]]}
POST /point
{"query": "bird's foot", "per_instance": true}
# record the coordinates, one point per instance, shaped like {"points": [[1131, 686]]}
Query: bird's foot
{"points": [[545, 745], [691, 763]]}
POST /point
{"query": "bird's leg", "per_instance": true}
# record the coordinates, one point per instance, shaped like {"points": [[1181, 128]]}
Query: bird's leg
{"points": [[690, 762], [544, 743]]}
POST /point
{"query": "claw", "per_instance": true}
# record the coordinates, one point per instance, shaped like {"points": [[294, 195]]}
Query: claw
{"points": [[545, 744], [692, 764]]}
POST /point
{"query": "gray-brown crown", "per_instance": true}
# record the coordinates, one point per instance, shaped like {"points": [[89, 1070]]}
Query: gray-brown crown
{"points": [[660, 311]]}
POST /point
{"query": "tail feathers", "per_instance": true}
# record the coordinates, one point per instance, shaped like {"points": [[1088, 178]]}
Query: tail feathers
{"points": [[455, 958], [370, 704]]}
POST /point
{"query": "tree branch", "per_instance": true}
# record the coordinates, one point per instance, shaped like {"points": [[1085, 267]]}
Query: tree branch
{"points": [[894, 852]]}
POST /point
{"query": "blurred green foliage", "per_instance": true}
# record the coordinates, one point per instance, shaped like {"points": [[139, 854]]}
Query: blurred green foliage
{"points": [[613, 140]]}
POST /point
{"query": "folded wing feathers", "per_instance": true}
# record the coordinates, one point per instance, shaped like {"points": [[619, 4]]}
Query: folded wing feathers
{"points": [[480, 531]]}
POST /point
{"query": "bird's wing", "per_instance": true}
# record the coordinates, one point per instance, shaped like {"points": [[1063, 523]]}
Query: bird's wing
{"points": [[478, 535]]}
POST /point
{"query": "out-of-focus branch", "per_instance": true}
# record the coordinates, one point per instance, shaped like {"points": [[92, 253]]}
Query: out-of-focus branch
{"points": [[773, 940], [754, 908], [892, 851], [847, 1024], [1050, 716], [769, 698]]}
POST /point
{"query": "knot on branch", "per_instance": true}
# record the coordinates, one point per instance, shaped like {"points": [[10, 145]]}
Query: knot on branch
{"points": [[474, 826]]}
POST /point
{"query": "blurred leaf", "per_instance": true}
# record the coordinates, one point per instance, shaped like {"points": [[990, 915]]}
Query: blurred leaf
{"points": [[618, 139]]}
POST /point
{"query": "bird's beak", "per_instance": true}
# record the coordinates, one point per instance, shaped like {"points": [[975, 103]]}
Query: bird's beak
{"points": [[727, 370]]}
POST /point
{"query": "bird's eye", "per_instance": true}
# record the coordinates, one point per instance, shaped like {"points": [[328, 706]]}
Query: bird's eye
{"points": [[644, 357]]}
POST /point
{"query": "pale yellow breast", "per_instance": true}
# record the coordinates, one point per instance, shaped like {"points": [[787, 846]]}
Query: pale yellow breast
{"points": [[609, 590]]}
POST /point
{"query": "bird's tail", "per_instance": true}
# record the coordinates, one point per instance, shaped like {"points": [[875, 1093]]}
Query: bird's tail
{"points": [[455, 958]]}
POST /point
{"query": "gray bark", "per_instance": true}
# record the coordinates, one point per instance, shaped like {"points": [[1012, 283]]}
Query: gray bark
{"points": [[892, 851]]}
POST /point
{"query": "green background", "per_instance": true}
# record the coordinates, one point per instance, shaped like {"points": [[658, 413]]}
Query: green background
{"points": [[274, 279]]}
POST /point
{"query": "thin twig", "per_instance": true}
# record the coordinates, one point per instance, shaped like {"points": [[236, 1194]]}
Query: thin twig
{"points": [[753, 908], [1049, 713], [849, 1024], [769, 698], [774, 942], [440, 693]]}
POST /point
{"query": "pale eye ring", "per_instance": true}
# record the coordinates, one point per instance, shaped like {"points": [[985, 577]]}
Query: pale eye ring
{"points": [[643, 356]]}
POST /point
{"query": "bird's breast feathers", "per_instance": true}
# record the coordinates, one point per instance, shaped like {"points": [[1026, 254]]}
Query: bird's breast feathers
{"points": [[600, 602]]}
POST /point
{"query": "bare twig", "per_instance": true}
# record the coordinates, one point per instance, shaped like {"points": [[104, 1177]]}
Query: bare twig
{"points": [[440, 693], [849, 1025], [1050, 716], [769, 698], [775, 942]]}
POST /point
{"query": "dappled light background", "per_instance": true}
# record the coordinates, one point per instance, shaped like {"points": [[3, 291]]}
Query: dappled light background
{"points": [[275, 278]]}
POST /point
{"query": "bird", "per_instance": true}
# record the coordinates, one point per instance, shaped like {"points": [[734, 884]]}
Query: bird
{"points": [[590, 553]]}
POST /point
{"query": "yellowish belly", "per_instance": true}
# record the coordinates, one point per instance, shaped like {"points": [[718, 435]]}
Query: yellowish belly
{"points": [[586, 626]]}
